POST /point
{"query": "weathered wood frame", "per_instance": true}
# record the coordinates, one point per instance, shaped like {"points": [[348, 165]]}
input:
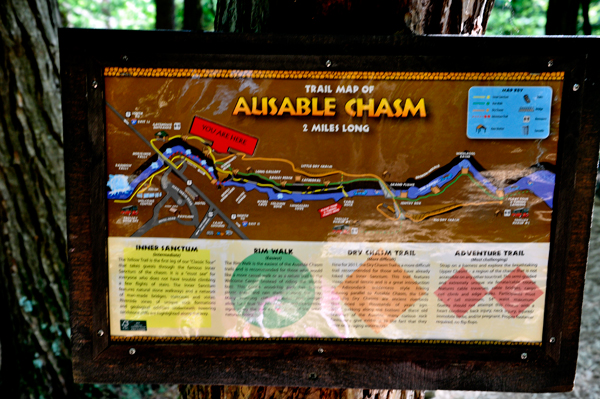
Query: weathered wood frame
{"points": [[351, 364]]}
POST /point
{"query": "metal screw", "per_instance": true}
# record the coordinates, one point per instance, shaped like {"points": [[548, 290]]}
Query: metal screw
{"points": [[320, 350], [552, 340], [575, 87], [550, 63], [125, 58], [328, 63], [313, 376], [95, 84], [100, 333], [132, 351], [523, 355]]}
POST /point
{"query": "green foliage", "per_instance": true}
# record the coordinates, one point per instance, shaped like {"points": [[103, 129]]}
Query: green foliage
{"points": [[178, 14], [518, 17], [125, 14], [594, 15], [108, 14], [509, 17], [209, 8], [528, 17]]}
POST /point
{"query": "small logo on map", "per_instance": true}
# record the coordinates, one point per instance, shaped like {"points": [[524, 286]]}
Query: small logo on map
{"points": [[177, 126], [133, 325]]}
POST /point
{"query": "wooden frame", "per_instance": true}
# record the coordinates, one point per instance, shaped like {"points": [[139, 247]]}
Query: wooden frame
{"points": [[351, 364]]}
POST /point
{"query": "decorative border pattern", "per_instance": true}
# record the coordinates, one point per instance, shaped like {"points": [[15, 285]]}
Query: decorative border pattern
{"points": [[285, 74], [115, 338]]}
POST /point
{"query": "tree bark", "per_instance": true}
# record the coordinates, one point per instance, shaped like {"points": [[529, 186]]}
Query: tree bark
{"points": [[449, 16], [383, 17], [33, 286], [165, 14]]}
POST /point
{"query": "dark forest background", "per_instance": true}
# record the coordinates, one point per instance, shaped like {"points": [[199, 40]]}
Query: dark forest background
{"points": [[509, 17], [34, 325]]}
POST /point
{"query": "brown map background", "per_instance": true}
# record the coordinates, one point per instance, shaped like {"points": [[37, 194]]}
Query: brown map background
{"points": [[404, 148]]}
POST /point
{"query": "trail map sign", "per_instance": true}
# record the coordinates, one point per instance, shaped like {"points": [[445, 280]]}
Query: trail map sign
{"points": [[366, 209]]}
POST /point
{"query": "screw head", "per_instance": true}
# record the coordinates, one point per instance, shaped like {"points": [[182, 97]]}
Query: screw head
{"points": [[550, 63], [100, 333], [320, 350], [328, 63], [95, 84], [523, 355], [132, 351], [552, 340], [575, 87]]}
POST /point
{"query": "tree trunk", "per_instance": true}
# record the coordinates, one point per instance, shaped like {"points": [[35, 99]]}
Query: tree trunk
{"points": [[34, 336], [449, 16], [192, 15], [562, 16], [384, 17], [165, 14]]}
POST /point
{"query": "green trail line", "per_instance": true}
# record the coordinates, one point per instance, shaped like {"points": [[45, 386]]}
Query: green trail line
{"points": [[340, 184], [306, 184], [517, 192], [483, 188]]}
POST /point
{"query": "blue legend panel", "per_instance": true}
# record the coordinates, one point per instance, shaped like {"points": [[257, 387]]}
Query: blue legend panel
{"points": [[497, 112]]}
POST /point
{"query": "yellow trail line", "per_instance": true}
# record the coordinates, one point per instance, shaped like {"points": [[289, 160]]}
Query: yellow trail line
{"points": [[224, 159], [385, 214], [140, 186], [149, 178], [423, 216], [260, 184], [196, 138], [169, 161], [160, 154], [417, 219], [333, 172], [206, 174], [210, 150], [145, 188]]}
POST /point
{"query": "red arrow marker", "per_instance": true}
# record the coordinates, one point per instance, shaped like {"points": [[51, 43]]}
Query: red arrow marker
{"points": [[330, 210], [223, 138]]}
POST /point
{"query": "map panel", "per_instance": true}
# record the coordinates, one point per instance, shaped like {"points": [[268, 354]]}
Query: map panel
{"points": [[285, 204]]}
